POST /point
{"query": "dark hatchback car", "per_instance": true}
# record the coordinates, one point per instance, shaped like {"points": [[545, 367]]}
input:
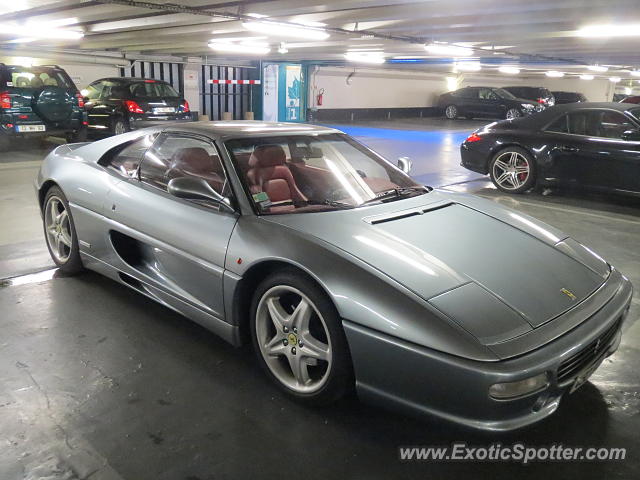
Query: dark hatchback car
{"points": [[491, 102], [117, 105], [540, 95], [568, 97], [592, 145], [39, 101]]}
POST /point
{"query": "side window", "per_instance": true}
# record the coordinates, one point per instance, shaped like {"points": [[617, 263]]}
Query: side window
{"points": [[174, 156], [94, 90], [610, 124], [577, 123], [470, 93], [126, 158], [559, 125], [487, 94]]}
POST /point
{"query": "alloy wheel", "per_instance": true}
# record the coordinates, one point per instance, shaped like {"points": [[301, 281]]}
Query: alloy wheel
{"points": [[512, 113], [58, 229], [451, 112], [294, 339], [119, 128], [511, 170]]}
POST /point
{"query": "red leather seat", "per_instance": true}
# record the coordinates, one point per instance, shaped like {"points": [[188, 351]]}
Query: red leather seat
{"points": [[196, 162], [269, 173]]}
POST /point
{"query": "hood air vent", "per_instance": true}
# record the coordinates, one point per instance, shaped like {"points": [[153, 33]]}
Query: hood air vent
{"points": [[390, 217]]}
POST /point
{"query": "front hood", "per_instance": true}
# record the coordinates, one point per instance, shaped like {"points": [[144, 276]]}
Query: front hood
{"points": [[436, 243]]}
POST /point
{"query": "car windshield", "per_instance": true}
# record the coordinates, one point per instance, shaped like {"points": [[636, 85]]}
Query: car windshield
{"points": [[504, 94], [151, 88], [306, 173], [37, 77]]}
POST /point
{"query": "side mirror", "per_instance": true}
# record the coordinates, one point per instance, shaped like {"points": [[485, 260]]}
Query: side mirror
{"points": [[631, 135], [193, 188], [405, 164]]}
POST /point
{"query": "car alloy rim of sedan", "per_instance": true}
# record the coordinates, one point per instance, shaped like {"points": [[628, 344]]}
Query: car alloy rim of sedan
{"points": [[511, 170], [294, 339], [58, 229], [451, 111], [513, 113], [119, 129]]}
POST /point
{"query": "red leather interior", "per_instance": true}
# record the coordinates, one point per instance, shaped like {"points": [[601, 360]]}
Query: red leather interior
{"points": [[197, 162], [269, 173]]}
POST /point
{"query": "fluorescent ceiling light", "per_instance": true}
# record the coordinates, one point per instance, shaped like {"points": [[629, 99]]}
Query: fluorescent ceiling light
{"points": [[555, 74], [597, 68], [628, 90], [496, 47], [468, 66], [257, 15], [33, 30], [509, 70], [586, 77], [635, 73], [611, 30], [365, 57], [448, 50], [283, 48], [287, 30], [614, 79], [247, 48]]}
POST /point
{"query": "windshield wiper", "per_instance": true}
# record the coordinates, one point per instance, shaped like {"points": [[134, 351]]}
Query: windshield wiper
{"points": [[398, 192], [330, 203]]}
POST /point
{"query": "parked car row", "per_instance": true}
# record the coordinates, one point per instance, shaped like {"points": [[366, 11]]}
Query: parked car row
{"points": [[43, 100], [505, 102]]}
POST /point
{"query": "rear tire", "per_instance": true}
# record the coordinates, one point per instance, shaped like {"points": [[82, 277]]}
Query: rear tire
{"points": [[512, 113], [78, 137], [513, 170], [60, 232], [451, 112], [119, 126], [307, 356]]}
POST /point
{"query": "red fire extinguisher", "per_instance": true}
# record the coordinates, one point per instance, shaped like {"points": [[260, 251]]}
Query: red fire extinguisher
{"points": [[319, 96]]}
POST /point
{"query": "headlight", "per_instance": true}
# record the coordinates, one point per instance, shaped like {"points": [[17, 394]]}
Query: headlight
{"points": [[503, 391], [528, 106]]}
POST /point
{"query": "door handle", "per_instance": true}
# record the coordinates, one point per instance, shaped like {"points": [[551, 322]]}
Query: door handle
{"points": [[566, 148]]}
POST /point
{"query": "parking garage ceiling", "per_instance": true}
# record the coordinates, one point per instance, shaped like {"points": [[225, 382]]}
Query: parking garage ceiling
{"points": [[530, 34]]}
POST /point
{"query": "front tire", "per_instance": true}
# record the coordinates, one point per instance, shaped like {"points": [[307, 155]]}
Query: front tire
{"points": [[78, 137], [60, 232], [513, 170], [451, 112], [298, 339]]}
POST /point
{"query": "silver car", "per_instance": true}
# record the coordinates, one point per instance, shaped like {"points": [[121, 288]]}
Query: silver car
{"points": [[340, 269]]}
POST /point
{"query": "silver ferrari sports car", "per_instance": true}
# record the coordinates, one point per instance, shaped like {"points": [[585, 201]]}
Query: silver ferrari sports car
{"points": [[340, 269]]}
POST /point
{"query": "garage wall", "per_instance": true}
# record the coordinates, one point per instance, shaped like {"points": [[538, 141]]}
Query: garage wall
{"points": [[83, 75], [388, 93]]}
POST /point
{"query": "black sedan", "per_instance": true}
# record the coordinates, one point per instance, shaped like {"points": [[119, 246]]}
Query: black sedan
{"points": [[594, 145], [117, 105], [473, 102]]}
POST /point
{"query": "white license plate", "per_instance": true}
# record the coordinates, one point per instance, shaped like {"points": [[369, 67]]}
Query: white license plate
{"points": [[164, 110], [31, 128]]}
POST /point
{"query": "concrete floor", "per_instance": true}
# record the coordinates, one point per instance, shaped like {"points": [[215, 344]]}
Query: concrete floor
{"points": [[101, 383]]}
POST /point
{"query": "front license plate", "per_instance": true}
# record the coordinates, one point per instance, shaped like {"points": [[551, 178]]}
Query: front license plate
{"points": [[584, 376], [30, 128], [164, 110]]}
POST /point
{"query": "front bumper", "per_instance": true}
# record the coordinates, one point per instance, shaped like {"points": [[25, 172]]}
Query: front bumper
{"points": [[394, 373]]}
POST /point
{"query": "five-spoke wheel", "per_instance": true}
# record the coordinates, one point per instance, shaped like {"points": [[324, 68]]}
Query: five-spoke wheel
{"points": [[512, 170], [60, 232], [299, 339]]}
